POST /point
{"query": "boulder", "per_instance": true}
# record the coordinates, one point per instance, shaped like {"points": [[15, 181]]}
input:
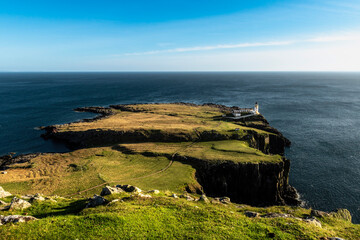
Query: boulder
{"points": [[18, 204], [96, 200], [141, 195], [2, 203], [129, 188], [38, 197], [3, 193], [204, 199], [317, 213], [15, 219], [215, 201], [110, 190], [277, 215], [225, 200], [314, 221], [154, 191], [251, 214], [174, 195], [187, 197]]}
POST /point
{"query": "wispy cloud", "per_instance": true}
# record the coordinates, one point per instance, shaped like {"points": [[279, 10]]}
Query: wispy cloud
{"points": [[213, 47], [317, 39]]}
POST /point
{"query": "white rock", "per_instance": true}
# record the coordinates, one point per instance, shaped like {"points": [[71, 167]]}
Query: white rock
{"points": [[38, 197], [204, 199], [15, 219], [313, 221], [3, 193], [18, 204], [154, 191], [143, 195]]}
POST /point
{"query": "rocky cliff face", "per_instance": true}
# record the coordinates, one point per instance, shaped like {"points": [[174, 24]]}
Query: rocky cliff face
{"points": [[267, 143], [260, 184]]}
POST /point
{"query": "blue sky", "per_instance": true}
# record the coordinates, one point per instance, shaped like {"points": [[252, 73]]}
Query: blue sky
{"points": [[227, 35]]}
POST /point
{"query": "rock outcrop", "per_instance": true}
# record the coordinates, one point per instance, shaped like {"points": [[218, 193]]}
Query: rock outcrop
{"points": [[96, 201], [15, 219], [110, 190], [259, 184], [129, 188], [19, 204]]}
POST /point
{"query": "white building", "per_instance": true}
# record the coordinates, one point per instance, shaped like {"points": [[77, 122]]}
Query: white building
{"points": [[254, 110]]}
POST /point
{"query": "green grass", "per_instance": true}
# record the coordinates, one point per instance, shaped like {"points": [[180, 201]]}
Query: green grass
{"points": [[68, 173], [227, 150], [168, 218]]}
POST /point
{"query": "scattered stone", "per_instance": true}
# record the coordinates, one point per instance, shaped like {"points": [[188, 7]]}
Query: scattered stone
{"points": [[110, 190], [251, 214], [154, 191], [215, 201], [38, 197], [187, 197], [96, 200], [3, 172], [114, 201], [3, 193], [129, 188], [225, 200], [277, 215], [27, 197], [174, 195], [334, 238], [313, 221], [18, 204], [15, 219], [204, 199], [141, 195], [317, 213]]}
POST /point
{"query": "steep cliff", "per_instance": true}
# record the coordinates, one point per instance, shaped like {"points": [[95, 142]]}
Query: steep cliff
{"points": [[259, 184]]}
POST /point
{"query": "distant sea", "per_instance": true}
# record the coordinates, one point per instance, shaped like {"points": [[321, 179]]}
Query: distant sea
{"points": [[318, 112]]}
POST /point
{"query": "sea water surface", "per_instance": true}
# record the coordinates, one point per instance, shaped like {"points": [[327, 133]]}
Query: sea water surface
{"points": [[318, 112]]}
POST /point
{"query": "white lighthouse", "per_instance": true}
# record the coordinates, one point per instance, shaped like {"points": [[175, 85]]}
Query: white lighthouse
{"points": [[256, 108]]}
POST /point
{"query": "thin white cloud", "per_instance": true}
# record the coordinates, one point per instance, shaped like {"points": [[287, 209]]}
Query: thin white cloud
{"points": [[317, 39], [214, 47]]}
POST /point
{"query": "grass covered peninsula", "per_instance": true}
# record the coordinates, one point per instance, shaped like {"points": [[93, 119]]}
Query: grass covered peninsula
{"points": [[198, 174]]}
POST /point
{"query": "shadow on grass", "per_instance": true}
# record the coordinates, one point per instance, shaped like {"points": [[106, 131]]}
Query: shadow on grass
{"points": [[72, 209]]}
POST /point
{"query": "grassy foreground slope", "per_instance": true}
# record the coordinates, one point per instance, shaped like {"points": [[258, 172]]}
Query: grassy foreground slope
{"points": [[169, 218]]}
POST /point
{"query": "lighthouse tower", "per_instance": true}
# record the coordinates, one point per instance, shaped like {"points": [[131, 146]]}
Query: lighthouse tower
{"points": [[256, 108]]}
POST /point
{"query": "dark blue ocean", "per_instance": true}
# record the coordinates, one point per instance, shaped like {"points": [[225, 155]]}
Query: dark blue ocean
{"points": [[318, 112]]}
